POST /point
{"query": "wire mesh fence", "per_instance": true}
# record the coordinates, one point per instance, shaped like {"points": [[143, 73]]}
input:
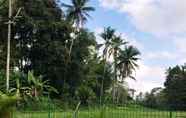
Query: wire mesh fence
{"points": [[131, 110]]}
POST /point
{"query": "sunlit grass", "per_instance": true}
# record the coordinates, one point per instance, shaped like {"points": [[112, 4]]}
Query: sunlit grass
{"points": [[108, 112]]}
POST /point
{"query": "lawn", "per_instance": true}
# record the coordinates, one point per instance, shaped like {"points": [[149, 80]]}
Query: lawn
{"points": [[116, 112]]}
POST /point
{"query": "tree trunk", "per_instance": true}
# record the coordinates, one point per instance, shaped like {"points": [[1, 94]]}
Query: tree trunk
{"points": [[77, 30], [102, 82], [71, 46], [115, 75]]}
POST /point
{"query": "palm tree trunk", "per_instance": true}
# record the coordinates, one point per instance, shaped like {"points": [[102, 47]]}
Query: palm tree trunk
{"points": [[77, 29], [118, 96], [101, 91], [102, 82], [115, 76], [71, 46]]}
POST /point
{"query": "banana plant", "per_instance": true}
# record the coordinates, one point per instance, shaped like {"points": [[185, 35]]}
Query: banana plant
{"points": [[30, 86], [38, 85]]}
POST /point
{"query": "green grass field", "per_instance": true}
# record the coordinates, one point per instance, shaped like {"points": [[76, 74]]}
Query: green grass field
{"points": [[117, 112]]}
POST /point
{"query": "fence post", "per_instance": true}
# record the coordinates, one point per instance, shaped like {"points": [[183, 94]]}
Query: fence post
{"points": [[170, 114], [102, 111], [171, 111], [49, 107]]}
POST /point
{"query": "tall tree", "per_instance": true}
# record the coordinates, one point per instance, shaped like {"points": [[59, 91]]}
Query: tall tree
{"points": [[175, 89], [107, 36], [128, 62], [35, 35], [115, 49], [77, 14]]}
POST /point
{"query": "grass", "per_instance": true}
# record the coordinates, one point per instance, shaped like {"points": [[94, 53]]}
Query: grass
{"points": [[108, 112]]}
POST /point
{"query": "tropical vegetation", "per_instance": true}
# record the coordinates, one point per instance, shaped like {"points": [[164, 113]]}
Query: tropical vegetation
{"points": [[54, 56]]}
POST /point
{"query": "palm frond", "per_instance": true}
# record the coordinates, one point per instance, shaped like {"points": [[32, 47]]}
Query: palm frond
{"points": [[87, 9], [98, 46], [67, 6]]}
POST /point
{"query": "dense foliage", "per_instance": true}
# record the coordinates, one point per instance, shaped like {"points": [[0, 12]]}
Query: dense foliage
{"points": [[52, 54], [175, 86]]}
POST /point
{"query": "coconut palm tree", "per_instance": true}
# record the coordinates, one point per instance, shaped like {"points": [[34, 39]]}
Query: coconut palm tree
{"points": [[114, 51], [107, 36], [128, 62], [77, 14], [115, 48]]}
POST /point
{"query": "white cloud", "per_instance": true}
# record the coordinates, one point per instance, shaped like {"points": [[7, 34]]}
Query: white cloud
{"points": [[182, 61], [132, 41], [180, 45], [147, 78], [98, 31], [111, 4], [159, 17]]}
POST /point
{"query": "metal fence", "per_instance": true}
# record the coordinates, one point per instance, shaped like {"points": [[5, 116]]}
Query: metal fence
{"points": [[105, 111]]}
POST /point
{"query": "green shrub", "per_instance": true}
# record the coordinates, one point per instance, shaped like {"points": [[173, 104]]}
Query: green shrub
{"points": [[85, 94], [40, 104], [6, 104]]}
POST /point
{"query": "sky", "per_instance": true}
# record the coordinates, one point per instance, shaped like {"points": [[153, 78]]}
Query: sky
{"points": [[156, 27]]}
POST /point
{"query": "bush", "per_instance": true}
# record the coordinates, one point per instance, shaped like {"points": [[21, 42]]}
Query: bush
{"points": [[85, 95], [40, 104], [6, 105]]}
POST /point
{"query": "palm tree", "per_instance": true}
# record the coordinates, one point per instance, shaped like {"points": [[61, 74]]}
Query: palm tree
{"points": [[116, 44], [115, 48], [107, 36], [128, 62], [77, 14]]}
